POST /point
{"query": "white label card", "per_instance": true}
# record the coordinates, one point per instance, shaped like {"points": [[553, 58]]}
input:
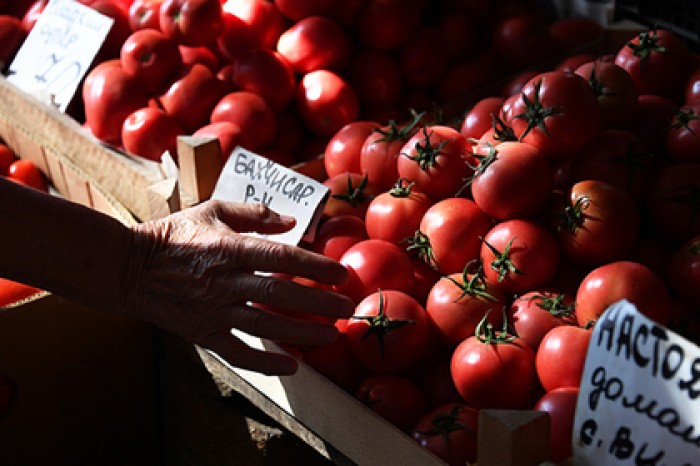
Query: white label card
{"points": [[58, 51], [639, 402], [249, 177]]}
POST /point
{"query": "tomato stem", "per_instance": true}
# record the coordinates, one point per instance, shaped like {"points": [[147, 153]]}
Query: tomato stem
{"points": [[381, 324]]}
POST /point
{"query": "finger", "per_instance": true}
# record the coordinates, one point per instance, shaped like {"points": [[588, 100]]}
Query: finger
{"points": [[248, 217]]}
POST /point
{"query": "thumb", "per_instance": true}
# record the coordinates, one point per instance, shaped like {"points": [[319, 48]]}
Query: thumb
{"points": [[245, 217]]}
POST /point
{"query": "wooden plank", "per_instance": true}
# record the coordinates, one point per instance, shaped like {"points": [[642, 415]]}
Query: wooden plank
{"points": [[200, 165]]}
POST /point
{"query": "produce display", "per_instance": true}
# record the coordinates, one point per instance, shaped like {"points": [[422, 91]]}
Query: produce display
{"points": [[482, 244]]}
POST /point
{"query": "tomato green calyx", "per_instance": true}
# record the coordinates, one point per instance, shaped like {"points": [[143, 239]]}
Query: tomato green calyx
{"points": [[474, 285], [486, 334], [503, 263], [682, 119], [426, 152], [483, 161], [694, 248], [501, 130], [402, 188], [555, 305], [648, 43], [443, 424], [355, 196], [380, 325], [571, 218], [598, 86], [535, 113], [421, 244], [400, 133]]}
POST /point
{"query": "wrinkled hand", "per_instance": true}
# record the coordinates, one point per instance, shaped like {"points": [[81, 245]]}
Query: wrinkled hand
{"points": [[192, 274]]}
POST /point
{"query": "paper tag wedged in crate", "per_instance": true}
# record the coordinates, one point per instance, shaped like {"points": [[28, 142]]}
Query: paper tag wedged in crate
{"points": [[252, 178], [639, 400], [58, 51]]}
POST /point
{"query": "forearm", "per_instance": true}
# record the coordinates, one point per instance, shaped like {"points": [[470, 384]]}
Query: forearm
{"points": [[63, 247]]}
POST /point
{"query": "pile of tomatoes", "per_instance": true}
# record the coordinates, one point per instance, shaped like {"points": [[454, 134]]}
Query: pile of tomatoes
{"points": [[482, 251]]}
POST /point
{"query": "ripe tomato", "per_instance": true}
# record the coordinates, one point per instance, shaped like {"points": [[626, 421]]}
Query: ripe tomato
{"points": [[519, 255], [266, 73], [450, 431], [684, 272], [191, 22], [337, 362], [434, 158], [389, 332], [262, 19], [458, 302], [512, 179], [436, 382], [336, 234], [395, 215], [479, 117], [376, 76], [24, 171], [144, 14], [682, 141], [152, 58], [535, 313], [387, 24], [495, 371], [561, 355], [556, 112], [449, 234], [523, 41], [611, 282], [396, 398], [149, 132], [673, 201], [228, 134], [350, 194], [326, 102], [315, 43], [250, 112], [342, 153], [560, 405], [7, 157], [12, 292], [596, 222], [573, 34], [654, 113], [423, 58], [295, 10], [375, 264]]}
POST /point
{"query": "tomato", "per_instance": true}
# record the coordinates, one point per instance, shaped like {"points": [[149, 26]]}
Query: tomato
{"points": [[295, 10], [437, 384], [204, 55], [514, 85], [149, 132], [336, 234], [479, 117], [387, 24], [12, 292], [375, 264], [460, 35], [119, 31], [191, 22], [596, 222], [561, 355], [350, 194], [451, 432], [692, 87], [228, 134], [573, 34], [449, 234], [144, 14], [682, 141], [611, 282], [376, 77], [389, 331], [394, 397], [424, 277], [519, 255], [266, 73], [32, 14], [458, 302], [7, 157], [12, 35], [651, 122], [434, 158], [535, 313], [326, 102], [262, 19], [673, 202], [560, 405], [494, 370], [684, 272], [572, 62], [522, 41], [512, 179], [657, 60], [423, 58], [463, 79], [24, 171], [557, 112], [381, 149], [152, 58], [342, 154], [395, 215], [615, 90], [315, 43], [251, 113]]}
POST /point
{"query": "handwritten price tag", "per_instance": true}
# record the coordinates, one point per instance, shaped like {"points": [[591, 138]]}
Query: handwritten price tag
{"points": [[249, 177], [639, 402], [58, 51]]}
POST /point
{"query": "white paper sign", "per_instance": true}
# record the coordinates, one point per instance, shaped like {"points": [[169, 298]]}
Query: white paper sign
{"points": [[639, 402], [249, 177], [59, 50]]}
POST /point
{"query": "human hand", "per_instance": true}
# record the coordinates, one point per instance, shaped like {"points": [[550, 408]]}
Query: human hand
{"points": [[193, 274]]}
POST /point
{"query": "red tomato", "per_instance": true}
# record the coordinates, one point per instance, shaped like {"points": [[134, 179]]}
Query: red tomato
{"points": [[519, 255], [682, 141], [572, 62], [572, 34], [450, 431], [376, 77], [263, 20], [387, 24], [266, 73], [522, 41], [120, 30], [191, 22], [342, 153], [557, 112], [596, 222], [458, 302], [495, 371], [394, 397], [449, 234], [654, 113], [151, 57], [12, 292], [460, 35], [336, 234], [560, 405], [692, 87], [144, 14], [561, 355], [423, 58], [326, 102], [12, 35], [512, 179], [350, 194], [7, 157], [684, 272], [32, 14], [149, 132], [611, 282], [424, 277], [480, 116], [229, 136], [25, 172], [295, 10], [463, 79], [535, 313], [657, 60], [435, 159], [204, 55], [375, 264], [389, 332], [673, 201], [437, 384], [251, 113], [315, 43], [395, 215]]}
